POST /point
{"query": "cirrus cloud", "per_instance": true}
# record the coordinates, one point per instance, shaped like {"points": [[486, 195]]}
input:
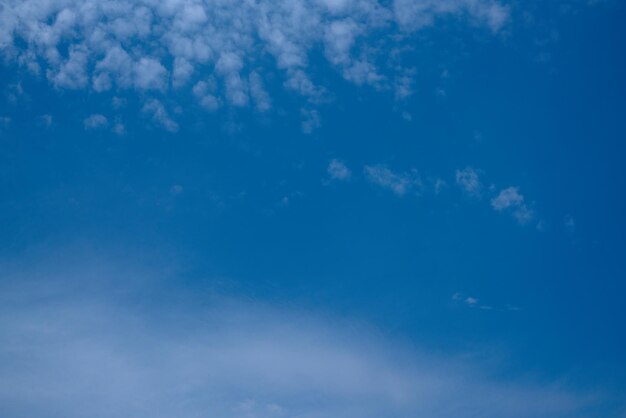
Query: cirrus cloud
{"points": [[107, 340]]}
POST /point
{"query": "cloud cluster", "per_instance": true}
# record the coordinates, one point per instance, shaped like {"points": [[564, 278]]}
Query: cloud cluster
{"points": [[102, 343], [95, 121], [509, 199], [221, 51], [403, 183]]}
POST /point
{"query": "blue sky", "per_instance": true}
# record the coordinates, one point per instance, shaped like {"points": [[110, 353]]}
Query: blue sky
{"points": [[331, 208]]}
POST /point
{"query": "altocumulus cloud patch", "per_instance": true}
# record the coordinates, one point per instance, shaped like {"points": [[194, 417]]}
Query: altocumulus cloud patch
{"points": [[221, 51]]}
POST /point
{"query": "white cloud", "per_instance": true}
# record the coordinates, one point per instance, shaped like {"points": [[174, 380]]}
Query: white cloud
{"points": [[151, 45], [155, 109], [542, 225], [507, 198], [119, 128], [403, 84], [103, 340], [118, 102], [439, 185], [510, 198], [469, 180], [229, 66], [182, 72], [474, 303], [205, 92], [150, 74], [310, 120], [45, 120], [398, 183], [413, 15], [96, 121], [337, 170], [72, 72], [471, 301], [259, 94], [176, 189], [116, 64], [523, 215], [493, 14]]}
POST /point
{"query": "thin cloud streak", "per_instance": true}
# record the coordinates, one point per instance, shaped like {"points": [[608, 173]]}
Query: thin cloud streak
{"points": [[111, 345]]}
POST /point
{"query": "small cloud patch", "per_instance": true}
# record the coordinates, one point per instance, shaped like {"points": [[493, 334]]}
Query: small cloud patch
{"points": [[469, 181], [95, 121], [400, 183], [337, 170], [511, 199]]}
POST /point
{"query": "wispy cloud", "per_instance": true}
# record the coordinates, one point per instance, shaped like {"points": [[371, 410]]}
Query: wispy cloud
{"points": [[468, 180], [310, 120], [45, 120], [5, 121], [117, 343], [569, 223], [475, 303], [159, 115]]}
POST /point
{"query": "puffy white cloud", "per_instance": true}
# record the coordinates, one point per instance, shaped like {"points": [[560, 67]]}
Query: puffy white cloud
{"points": [[403, 84], [71, 73], [205, 92], [523, 215], [337, 170], [116, 64], [96, 121], [507, 198], [399, 183], [150, 74], [261, 97], [119, 128], [413, 15], [469, 180], [510, 198], [182, 72], [152, 45], [310, 120]]}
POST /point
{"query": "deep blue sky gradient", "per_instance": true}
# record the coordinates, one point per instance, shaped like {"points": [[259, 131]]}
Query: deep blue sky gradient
{"points": [[541, 106]]}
